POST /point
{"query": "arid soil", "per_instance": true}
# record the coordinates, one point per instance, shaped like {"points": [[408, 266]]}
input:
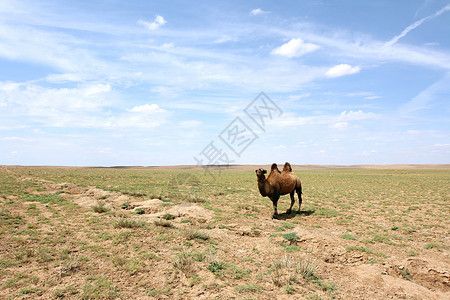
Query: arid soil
{"points": [[195, 248]]}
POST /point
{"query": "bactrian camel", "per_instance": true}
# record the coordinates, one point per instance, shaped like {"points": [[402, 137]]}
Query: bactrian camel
{"points": [[279, 183]]}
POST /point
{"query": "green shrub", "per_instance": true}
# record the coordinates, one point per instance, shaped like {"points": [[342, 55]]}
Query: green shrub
{"points": [[291, 237], [168, 216]]}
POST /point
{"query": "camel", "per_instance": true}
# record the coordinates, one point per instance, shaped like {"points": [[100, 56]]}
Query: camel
{"points": [[279, 183]]}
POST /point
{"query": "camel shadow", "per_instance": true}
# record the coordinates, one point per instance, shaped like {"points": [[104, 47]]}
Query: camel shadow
{"points": [[286, 216]]}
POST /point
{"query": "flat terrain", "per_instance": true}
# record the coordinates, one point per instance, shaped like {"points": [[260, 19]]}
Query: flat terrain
{"points": [[364, 232]]}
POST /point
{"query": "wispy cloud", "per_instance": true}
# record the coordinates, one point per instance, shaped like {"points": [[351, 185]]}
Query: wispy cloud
{"points": [[295, 48], [338, 121], [416, 24], [78, 107], [363, 48], [356, 115], [425, 98], [58, 50]]}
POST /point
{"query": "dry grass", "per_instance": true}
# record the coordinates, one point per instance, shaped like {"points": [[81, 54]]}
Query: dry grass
{"points": [[56, 246]]}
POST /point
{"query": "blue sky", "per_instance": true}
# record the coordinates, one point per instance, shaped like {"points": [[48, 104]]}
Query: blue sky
{"points": [[162, 82]]}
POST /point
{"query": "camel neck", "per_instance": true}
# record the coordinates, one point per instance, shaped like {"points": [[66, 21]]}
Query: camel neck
{"points": [[263, 186]]}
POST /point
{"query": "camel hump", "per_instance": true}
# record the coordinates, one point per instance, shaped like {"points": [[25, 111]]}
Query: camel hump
{"points": [[287, 167], [274, 167]]}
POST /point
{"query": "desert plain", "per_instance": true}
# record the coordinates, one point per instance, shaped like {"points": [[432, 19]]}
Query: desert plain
{"points": [[364, 232]]}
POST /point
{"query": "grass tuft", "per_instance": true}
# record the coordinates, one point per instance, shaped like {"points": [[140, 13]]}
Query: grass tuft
{"points": [[164, 223], [192, 234], [184, 262], [128, 223], [168, 216], [100, 207]]}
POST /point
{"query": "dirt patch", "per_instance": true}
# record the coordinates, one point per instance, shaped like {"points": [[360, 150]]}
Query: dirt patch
{"points": [[373, 276], [184, 211], [89, 197], [433, 275], [148, 206]]}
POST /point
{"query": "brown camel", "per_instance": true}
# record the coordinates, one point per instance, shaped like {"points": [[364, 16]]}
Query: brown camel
{"points": [[279, 183]]}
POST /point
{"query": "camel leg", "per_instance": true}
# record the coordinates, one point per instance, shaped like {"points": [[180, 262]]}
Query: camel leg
{"points": [[299, 194], [275, 210], [292, 202]]}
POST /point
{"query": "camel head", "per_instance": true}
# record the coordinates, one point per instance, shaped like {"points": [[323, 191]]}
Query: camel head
{"points": [[260, 174]]}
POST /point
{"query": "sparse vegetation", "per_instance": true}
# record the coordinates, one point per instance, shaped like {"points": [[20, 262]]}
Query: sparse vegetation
{"points": [[432, 246], [67, 243], [348, 236], [365, 250], [99, 287], [249, 288], [216, 267], [46, 198]]}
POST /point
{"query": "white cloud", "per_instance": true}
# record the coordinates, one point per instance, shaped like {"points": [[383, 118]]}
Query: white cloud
{"points": [[167, 45], [340, 125], [147, 109], [61, 78], [257, 11], [140, 116], [156, 24], [295, 48], [342, 70]]}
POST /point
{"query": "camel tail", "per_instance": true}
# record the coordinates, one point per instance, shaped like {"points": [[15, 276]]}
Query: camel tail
{"points": [[299, 186]]}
